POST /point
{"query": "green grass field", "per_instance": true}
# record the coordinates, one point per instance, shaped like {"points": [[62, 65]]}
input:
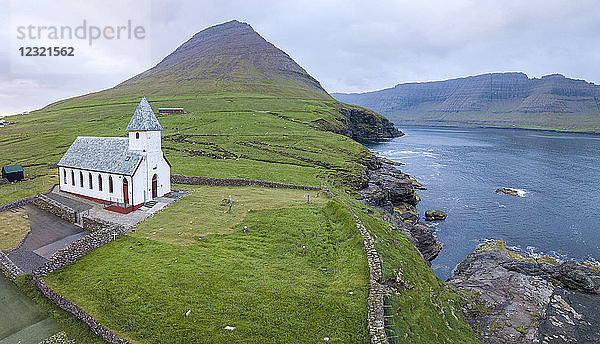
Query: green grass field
{"points": [[205, 211], [15, 224], [223, 135], [258, 281]]}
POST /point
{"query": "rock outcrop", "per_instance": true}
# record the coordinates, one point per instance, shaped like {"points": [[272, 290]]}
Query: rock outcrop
{"points": [[365, 125], [516, 299], [488, 100], [392, 193], [435, 215]]}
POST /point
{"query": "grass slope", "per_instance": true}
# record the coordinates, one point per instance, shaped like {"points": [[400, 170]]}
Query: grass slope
{"points": [[267, 290], [222, 135], [258, 282]]}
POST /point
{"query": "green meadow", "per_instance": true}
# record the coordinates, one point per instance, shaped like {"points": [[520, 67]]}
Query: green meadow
{"points": [[257, 281]]}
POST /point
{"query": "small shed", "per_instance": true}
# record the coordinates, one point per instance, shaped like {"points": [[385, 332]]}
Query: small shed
{"points": [[12, 172]]}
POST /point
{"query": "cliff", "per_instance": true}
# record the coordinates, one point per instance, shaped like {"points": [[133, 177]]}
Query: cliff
{"points": [[495, 99]]}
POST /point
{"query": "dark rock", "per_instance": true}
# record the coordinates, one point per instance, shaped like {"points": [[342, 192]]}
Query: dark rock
{"points": [[435, 215], [509, 305], [393, 194], [406, 213], [577, 277], [397, 187], [516, 293], [424, 240], [508, 191], [364, 125]]}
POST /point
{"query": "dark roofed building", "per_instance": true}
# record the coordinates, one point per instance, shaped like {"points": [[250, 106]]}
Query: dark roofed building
{"points": [[13, 173]]}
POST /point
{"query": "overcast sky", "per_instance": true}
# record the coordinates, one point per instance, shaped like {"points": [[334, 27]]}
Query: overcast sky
{"points": [[349, 46]]}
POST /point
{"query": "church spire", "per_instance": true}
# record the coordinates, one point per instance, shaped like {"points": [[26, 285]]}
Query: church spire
{"points": [[143, 118]]}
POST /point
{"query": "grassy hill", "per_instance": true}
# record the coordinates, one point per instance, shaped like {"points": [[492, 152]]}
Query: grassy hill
{"points": [[257, 281], [506, 100]]}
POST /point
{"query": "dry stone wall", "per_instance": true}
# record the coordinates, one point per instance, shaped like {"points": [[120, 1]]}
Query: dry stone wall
{"points": [[181, 179], [15, 204], [69, 254], [69, 306], [93, 224], [8, 268], [53, 207], [377, 291]]}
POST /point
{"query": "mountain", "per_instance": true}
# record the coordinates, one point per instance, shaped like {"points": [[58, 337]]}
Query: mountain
{"points": [[495, 99], [226, 57], [232, 58]]}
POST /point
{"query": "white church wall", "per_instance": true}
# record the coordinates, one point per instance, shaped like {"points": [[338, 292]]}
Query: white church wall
{"points": [[94, 192]]}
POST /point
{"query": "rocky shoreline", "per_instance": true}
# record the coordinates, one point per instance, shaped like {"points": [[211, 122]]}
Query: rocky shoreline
{"points": [[514, 298], [510, 297], [393, 194]]}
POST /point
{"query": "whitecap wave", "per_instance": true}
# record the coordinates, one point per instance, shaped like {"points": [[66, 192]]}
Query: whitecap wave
{"points": [[520, 192]]}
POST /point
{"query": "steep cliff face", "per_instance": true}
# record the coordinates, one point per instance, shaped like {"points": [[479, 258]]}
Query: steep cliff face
{"points": [[497, 99], [360, 124]]}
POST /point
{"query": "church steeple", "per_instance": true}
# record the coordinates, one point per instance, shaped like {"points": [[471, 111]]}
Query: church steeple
{"points": [[143, 118]]}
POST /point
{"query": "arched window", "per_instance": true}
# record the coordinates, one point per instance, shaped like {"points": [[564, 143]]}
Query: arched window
{"points": [[64, 176], [110, 184], [72, 178], [80, 178], [90, 181], [99, 182], [137, 135]]}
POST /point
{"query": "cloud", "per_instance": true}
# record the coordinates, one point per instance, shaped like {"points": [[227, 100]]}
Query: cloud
{"points": [[350, 45]]}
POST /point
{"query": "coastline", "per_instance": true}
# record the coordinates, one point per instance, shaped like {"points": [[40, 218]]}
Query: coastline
{"points": [[511, 295], [556, 131]]}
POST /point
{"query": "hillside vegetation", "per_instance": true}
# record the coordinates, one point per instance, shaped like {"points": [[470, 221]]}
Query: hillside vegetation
{"points": [[257, 280]]}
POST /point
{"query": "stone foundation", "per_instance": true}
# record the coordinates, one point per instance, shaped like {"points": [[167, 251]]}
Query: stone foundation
{"points": [[53, 207]]}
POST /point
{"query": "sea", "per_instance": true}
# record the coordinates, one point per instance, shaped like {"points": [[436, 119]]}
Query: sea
{"points": [[556, 177]]}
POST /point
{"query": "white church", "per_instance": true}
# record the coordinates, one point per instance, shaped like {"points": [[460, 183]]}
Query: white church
{"points": [[125, 172]]}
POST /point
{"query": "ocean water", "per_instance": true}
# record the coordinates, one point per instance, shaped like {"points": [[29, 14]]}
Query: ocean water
{"points": [[557, 176]]}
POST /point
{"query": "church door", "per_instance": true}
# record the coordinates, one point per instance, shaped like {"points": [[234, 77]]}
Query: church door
{"points": [[125, 191], [154, 186]]}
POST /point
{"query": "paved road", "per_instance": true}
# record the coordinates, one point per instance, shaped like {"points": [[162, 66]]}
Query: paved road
{"points": [[48, 234]]}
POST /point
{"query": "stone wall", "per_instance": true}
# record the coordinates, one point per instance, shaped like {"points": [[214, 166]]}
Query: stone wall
{"points": [[69, 306], [93, 224], [100, 236], [15, 204], [79, 248], [53, 207], [8, 268], [181, 179], [377, 291]]}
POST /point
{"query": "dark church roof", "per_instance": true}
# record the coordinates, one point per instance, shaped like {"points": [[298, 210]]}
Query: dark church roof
{"points": [[143, 118], [102, 154]]}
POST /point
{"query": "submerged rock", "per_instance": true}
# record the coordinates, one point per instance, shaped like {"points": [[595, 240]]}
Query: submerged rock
{"points": [[435, 215]]}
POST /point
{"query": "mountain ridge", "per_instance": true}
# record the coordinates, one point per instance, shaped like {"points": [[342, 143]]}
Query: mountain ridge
{"points": [[510, 99]]}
